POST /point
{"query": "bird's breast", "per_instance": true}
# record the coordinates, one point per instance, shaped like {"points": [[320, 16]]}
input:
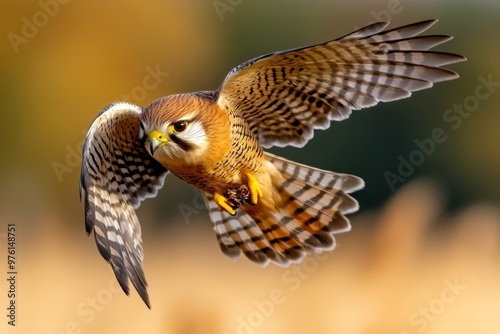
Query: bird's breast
{"points": [[210, 180], [232, 151]]}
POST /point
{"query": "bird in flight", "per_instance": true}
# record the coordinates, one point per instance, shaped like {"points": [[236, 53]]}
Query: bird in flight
{"points": [[269, 208]]}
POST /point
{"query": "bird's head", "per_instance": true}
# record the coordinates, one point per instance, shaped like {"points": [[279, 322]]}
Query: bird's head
{"points": [[174, 129]]}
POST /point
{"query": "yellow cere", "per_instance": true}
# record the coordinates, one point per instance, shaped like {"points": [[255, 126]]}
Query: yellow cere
{"points": [[156, 135]]}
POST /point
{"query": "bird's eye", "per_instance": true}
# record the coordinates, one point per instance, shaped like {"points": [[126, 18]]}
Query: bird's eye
{"points": [[179, 126]]}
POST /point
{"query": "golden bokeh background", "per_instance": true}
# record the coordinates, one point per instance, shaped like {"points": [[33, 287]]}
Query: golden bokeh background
{"points": [[424, 252]]}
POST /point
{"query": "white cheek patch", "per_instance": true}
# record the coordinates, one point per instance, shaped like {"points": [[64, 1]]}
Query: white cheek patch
{"points": [[195, 135]]}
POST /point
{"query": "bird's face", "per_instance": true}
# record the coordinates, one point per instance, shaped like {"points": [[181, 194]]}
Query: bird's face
{"points": [[173, 133]]}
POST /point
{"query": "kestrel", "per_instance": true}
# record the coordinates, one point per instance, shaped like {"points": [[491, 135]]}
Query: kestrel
{"points": [[265, 206]]}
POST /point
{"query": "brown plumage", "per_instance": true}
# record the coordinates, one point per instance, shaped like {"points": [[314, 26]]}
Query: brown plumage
{"points": [[267, 207]]}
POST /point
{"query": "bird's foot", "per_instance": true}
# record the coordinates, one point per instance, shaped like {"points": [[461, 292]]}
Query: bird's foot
{"points": [[254, 187], [223, 204], [232, 198]]}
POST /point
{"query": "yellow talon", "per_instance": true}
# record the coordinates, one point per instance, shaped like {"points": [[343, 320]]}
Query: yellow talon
{"points": [[222, 203], [254, 187]]}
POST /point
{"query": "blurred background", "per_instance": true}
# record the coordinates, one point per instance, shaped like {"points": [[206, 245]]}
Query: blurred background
{"points": [[423, 255]]}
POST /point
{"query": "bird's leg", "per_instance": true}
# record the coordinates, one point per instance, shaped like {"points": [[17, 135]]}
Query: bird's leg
{"points": [[223, 205], [254, 187]]}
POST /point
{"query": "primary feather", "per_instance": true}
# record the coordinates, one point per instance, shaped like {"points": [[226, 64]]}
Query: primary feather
{"points": [[285, 95]]}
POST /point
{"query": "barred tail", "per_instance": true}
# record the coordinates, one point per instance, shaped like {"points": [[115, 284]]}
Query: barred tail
{"points": [[309, 207]]}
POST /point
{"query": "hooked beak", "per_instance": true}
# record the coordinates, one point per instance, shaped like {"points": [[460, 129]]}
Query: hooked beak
{"points": [[156, 140]]}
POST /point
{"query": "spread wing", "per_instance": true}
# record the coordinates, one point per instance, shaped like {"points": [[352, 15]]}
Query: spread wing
{"points": [[285, 95], [117, 174]]}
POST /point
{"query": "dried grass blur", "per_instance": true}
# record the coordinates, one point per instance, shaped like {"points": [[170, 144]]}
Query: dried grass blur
{"points": [[392, 274]]}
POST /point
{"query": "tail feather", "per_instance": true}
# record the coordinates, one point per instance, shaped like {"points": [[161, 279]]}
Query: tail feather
{"points": [[314, 176], [312, 223], [281, 238], [242, 233], [327, 202], [311, 186], [308, 207]]}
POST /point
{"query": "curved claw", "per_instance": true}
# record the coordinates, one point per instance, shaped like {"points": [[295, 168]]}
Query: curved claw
{"points": [[254, 187], [223, 205]]}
